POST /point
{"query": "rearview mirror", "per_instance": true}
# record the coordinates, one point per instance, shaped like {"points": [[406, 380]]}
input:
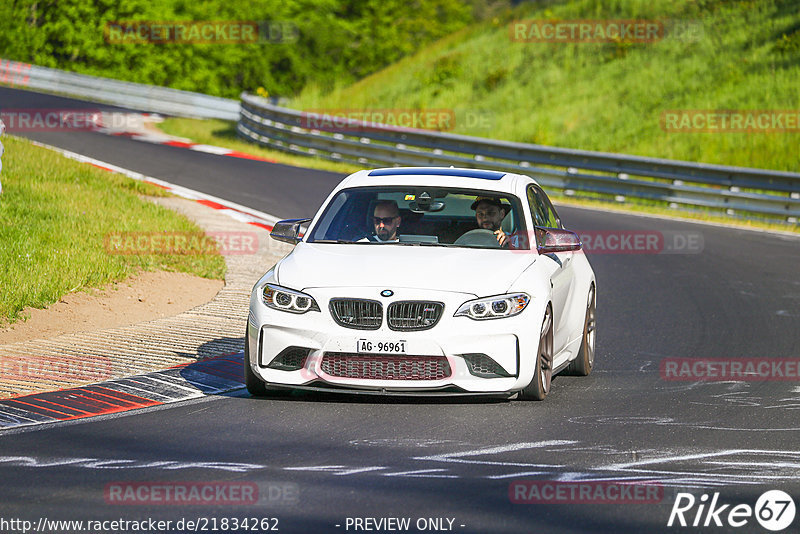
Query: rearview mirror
{"points": [[288, 230], [426, 202], [549, 240]]}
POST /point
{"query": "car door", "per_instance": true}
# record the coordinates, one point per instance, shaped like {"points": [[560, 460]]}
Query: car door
{"points": [[545, 216]]}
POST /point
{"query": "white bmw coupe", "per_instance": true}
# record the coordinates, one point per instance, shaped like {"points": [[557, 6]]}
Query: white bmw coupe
{"points": [[436, 281]]}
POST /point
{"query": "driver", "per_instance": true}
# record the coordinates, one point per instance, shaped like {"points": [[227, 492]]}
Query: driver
{"points": [[386, 220], [490, 213]]}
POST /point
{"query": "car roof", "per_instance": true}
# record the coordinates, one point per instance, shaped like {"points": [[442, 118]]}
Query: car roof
{"points": [[434, 176]]}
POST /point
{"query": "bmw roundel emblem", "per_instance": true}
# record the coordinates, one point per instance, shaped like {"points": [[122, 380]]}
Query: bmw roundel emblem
{"points": [[387, 293]]}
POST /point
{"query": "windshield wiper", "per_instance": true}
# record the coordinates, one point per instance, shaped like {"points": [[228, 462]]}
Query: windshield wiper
{"points": [[336, 241]]}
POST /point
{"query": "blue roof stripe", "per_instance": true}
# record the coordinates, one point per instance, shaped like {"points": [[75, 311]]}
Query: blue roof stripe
{"points": [[434, 171]]}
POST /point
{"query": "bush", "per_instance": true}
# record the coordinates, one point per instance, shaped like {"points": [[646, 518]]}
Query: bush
{"points": [[335, 42]]}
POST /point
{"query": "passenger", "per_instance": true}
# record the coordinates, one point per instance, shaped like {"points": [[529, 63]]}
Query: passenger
{"points": [[490, 213]]}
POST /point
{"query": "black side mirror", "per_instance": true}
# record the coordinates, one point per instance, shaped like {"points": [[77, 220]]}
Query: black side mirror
{"points": [[550, 240], [288, 230]]}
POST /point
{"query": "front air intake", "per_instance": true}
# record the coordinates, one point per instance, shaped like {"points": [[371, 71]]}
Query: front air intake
{"points": [[483, 366], [384, 367], [290, 359]]}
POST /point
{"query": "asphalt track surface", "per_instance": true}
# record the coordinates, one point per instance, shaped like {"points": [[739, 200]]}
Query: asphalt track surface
{"points": [[318, 460]]}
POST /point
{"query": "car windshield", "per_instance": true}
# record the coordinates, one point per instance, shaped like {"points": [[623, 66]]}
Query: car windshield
{"points": [[432, 216]]}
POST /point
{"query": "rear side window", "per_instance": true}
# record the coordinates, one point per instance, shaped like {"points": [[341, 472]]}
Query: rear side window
{"points": [[542, 211]]}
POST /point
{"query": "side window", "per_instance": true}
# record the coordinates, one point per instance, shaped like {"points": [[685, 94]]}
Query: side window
{"points": [[537, 208], [542, 210], [552, 217]]}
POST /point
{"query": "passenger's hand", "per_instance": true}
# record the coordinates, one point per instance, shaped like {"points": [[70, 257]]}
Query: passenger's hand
{"points": [[502, 238]]}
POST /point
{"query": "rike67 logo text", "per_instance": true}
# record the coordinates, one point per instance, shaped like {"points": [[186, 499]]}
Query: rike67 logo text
{"points": [[774, 510]]}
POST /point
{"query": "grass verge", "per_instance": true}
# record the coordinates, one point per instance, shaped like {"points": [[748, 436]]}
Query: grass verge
{"points": [[55, 214]]}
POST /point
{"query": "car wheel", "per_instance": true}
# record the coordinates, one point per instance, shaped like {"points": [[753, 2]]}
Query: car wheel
{"points": [[582, 365], [543, 375]]}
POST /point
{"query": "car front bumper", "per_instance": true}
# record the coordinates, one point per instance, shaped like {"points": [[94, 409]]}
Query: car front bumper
{"points": [[510, 342]]}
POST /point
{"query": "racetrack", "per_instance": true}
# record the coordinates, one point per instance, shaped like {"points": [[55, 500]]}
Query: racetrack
{"points": [[320, 459]]}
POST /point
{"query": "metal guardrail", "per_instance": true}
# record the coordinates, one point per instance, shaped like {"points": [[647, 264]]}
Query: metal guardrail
{"points": [[129, 94], [679, 184]]}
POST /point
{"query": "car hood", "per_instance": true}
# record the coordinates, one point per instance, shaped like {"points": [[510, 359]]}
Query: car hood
{"points": [[481, 272]]}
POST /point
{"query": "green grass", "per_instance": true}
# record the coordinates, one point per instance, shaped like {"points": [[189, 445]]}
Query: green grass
{"points": [[606, 96], [54, 216]]}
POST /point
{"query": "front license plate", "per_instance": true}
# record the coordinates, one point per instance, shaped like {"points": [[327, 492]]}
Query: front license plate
{"points": [[381, 347]]}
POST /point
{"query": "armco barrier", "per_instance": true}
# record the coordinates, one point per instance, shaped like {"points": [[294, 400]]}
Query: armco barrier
{"points": [[129, 94], [679, 184]]}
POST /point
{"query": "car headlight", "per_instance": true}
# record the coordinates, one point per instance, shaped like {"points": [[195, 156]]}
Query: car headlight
{"points": [[494, 307], [287, 300]]}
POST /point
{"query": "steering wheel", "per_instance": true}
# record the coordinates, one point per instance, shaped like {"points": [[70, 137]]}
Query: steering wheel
{"points": [[480, 237]]}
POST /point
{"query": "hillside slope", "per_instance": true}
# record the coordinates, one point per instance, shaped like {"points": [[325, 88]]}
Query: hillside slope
{"points": [[608, 96]]}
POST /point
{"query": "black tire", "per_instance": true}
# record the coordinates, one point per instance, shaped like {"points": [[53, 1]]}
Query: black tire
{"points": [[583, 364], [543, 375]]}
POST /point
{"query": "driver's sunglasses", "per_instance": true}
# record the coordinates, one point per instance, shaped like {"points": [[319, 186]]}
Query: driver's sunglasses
{"points": [[385, 220]]}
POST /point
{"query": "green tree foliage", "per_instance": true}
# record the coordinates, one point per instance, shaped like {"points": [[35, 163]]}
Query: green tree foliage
{"points": [[334, 42]]}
